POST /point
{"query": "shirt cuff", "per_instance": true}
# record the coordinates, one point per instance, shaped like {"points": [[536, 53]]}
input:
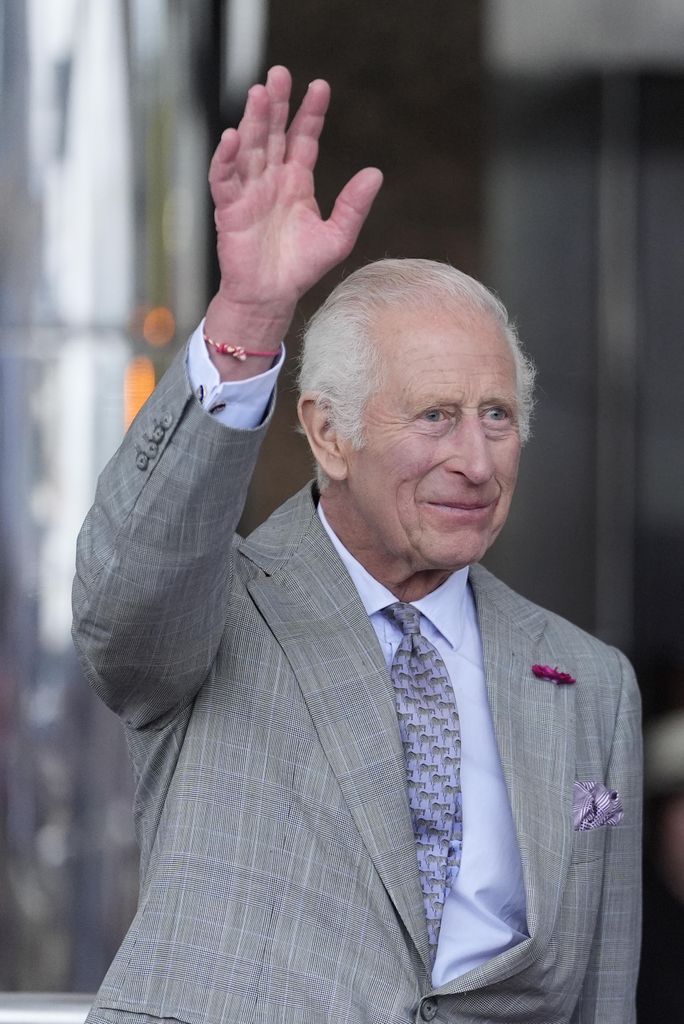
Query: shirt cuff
{"points": [[240, 404]]}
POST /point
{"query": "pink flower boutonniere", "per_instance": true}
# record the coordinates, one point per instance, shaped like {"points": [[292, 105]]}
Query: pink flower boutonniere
{"points": [[554, 674]]}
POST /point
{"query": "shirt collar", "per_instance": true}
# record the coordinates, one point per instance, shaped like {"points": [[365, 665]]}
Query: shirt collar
{"points": [[445, 607]]}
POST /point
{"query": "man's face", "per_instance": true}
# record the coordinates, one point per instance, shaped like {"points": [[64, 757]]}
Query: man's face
{"points": [[432, 486]]}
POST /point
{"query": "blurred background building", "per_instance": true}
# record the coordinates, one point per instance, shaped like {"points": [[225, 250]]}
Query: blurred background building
{"points": [[538, 145]]}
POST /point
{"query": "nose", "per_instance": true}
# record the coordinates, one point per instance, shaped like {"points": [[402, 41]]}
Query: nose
{"points": [[471, 453]]}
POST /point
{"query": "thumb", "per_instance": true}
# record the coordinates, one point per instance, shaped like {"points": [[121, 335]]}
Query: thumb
{"points": [[353, 204]]}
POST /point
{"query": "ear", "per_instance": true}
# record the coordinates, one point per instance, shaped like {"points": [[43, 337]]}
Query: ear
{"points": [[329, 451]]}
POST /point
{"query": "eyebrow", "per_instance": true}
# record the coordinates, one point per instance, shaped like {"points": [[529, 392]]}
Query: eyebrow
{"points": [[494, 399]]}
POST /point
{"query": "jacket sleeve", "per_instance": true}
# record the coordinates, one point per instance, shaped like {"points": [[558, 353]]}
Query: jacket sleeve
{"points": [[608, 992], [154, 556]]}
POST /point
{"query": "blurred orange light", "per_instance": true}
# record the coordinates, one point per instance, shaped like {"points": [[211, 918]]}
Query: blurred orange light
{"points": [[159, 327], [139, 384]]}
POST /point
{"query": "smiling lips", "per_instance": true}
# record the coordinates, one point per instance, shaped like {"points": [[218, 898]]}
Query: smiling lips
{"points": [[463, 506]]}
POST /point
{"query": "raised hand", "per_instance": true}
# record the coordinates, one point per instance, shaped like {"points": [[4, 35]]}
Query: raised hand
{"points": [[272, 242]]}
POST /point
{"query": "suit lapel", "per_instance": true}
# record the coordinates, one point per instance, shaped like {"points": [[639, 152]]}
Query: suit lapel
{"points": [[535, 729], [313, 609]]}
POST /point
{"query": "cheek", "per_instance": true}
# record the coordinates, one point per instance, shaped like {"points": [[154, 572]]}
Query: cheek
{"points": [[507, 478], [414, 459], [397, 470], [507, 470]]}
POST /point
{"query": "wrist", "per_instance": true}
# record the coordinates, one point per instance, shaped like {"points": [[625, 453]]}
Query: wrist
{"points": [[257, 329], [223, 348], [258, 326]]}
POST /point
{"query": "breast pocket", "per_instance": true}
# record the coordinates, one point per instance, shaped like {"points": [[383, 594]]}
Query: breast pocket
{"points": [[589, 845]]}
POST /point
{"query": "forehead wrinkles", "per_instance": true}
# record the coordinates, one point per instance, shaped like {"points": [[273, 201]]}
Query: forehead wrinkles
{"points": [[475, 379], [433, 356], [429, 339]]}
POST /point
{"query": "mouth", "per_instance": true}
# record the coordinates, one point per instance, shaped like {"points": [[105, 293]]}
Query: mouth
{"points": [[462, 506], [448, 515]]}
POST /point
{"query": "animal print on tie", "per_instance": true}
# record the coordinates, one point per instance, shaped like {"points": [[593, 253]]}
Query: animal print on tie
{"points": [[430, 732]]}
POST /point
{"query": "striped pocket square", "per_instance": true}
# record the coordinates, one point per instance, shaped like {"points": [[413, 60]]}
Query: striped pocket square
{"points": [[595, 805]]}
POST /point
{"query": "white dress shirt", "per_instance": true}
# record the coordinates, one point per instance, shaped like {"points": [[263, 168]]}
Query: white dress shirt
{"points": [[235, 403], [484, 912]]}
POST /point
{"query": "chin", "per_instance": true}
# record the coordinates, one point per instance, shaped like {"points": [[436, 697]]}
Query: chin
{"points": [[451, 562], [465, 554]]}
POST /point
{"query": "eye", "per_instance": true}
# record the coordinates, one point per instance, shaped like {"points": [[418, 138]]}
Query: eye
{"points": [[434, 422], [498, 414]]}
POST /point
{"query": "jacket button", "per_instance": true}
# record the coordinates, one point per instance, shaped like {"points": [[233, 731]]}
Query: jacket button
{"points": [[428, 1008], [151, 450], [141, 460], [166, 420], [158, 434]]}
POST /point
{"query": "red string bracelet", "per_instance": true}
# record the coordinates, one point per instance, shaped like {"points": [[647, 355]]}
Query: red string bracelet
{"points": [[237, 351]]}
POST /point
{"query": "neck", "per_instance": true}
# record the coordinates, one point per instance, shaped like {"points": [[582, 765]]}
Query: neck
{"points": [[418, 585], [406, 582]]}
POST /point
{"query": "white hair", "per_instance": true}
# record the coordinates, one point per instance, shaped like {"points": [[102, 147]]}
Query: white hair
{"points": [[341, 366]]}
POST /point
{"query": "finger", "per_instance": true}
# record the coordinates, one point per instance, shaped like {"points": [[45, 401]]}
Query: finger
{"points": [[279, 87], [253, 131], [223, 161], [223, 177], [307, 125], [353, 204]]}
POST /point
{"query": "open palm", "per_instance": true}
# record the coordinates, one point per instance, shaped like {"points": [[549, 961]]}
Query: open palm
{"points": [[273, 244]]}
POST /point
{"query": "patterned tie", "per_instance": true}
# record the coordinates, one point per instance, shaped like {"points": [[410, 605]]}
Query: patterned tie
{"points": [[430, 732]]}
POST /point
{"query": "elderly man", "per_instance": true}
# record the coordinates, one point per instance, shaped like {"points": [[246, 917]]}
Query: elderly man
{"points": [[374, 785]]}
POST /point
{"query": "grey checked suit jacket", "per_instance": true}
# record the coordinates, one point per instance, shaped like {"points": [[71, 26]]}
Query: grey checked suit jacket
{"points": [[278, 869]]}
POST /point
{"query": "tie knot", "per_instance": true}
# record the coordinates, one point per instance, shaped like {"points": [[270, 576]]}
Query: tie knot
{"points": [[406, 617]]}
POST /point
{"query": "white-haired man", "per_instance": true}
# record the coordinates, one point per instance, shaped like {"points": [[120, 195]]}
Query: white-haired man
{"points": [[375, 786]]}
